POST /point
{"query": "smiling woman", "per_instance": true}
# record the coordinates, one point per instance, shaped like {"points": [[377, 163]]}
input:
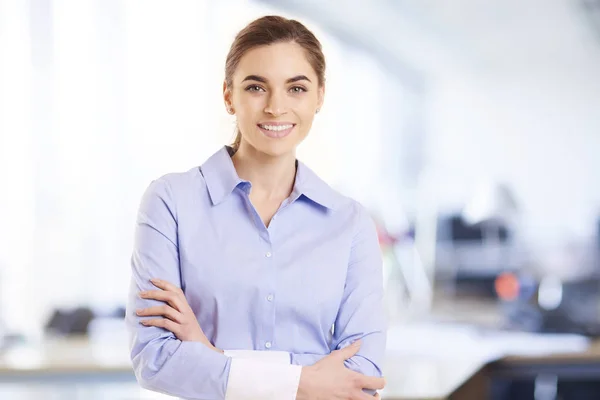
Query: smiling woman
{"points": [[276, 104], [259, 281]]}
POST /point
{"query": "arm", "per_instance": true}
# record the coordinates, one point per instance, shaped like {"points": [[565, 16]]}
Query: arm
{"points": [[166, 364], [306, 359], [361, 314]]}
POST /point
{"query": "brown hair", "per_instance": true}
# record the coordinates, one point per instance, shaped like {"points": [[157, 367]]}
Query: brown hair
{"points": [[269, 30]]}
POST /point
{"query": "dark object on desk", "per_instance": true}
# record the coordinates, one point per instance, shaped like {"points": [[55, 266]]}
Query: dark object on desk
{"points": [[519, 388], [75, 321], [473, 253], [71, 322], [458, 230], [576, 308]]}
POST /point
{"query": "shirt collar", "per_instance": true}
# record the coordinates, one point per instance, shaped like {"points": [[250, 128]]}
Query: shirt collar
{"points": [[311, 186], [220, 175], [222, 178]]}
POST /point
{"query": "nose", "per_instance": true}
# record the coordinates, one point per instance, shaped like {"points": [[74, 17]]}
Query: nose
{"points": [[276, 104]]}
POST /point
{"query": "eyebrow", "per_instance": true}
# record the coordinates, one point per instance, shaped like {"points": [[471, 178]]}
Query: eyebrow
{"points": [[259, 78]]}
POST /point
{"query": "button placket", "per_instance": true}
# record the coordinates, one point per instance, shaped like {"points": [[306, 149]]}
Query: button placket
{"points": [[268, 330]]}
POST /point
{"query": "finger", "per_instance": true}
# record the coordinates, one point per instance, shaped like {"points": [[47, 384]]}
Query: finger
{"points": [[365, 396], [166, 285], [371, 382], [164, 310], [162, 295], [377, 396], [162, 323], [347, 352]]}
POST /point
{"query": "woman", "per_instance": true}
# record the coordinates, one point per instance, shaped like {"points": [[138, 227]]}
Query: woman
{"points": [[269, 282]]}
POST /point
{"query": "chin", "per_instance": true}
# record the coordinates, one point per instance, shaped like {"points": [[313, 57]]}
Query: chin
{"points": [[276, 149]]}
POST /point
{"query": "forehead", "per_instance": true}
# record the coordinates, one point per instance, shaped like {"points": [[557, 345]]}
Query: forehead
{"points": [[276, 62]]}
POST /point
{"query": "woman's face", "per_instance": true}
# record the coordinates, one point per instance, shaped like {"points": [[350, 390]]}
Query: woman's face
{"points": [[275, 96]]}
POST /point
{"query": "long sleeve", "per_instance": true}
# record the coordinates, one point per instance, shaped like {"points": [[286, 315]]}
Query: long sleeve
{"points": [[361, 314], [284, 357], [306, 359], [162, 362]]}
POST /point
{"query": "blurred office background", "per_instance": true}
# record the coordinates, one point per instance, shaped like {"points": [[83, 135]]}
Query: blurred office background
{"points": [[471, 131]]}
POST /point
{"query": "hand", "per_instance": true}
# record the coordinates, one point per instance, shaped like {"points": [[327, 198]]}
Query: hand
{"points": [[178, 315], [329, 379]]}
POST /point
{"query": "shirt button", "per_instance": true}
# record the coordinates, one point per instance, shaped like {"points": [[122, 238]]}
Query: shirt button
{"points": [[268, 254], [270, 297], [268, 345]]}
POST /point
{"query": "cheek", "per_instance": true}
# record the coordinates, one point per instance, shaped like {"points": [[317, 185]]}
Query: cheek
{"points": [[306, 108], [306, 114], [249, 108]]}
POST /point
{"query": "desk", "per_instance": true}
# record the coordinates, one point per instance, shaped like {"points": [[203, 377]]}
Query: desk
{"points": [[70, 369], [581, 365], [97, 369], [468, 379]]}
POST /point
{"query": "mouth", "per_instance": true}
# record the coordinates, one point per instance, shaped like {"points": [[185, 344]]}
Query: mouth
{"points": [[276, 131]]}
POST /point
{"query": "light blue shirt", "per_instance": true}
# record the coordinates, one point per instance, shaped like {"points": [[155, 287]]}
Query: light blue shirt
{"points": [[309, 283]]}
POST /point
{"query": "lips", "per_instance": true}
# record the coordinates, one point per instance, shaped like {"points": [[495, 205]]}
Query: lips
{"points": [[276, 130]]}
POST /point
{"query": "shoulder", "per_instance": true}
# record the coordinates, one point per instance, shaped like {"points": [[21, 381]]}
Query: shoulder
{"points": [[354, 214], [343, 206], [177, 182], [170, 187], [361, 217]]}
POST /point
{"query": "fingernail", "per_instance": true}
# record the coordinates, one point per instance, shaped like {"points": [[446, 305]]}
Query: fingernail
{"points": [[138, 311], [142, 294], [356, 343], [154, 280]]}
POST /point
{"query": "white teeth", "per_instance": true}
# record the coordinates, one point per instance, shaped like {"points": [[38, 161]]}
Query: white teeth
{"points": [[276, 128]]}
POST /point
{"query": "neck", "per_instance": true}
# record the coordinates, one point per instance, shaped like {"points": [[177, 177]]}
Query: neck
{"points": [[271, 177]]}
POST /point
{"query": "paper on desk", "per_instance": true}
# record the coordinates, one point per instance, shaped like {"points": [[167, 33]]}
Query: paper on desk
{"points": [[440, 341], [537, 344], [455, 340]]}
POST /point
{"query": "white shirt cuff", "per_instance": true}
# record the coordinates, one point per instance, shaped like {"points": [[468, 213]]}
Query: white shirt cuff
{"points": [[262, 375]]}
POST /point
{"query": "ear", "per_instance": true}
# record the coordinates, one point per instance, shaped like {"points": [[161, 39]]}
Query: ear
{"points": [[227, 97], [321, 96]]}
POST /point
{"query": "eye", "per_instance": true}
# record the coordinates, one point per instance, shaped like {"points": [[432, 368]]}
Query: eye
{"points": [[254, 88], [297, 89]]}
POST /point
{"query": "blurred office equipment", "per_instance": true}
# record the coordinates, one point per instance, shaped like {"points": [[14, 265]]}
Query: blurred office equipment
{"points": [[79, 320], [477, 244], [557, 307], [467, 261], [561, 294], [70, 322]]}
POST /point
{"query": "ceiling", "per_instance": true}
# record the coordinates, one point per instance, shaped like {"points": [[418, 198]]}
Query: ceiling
{"points": [[473, 36]]}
